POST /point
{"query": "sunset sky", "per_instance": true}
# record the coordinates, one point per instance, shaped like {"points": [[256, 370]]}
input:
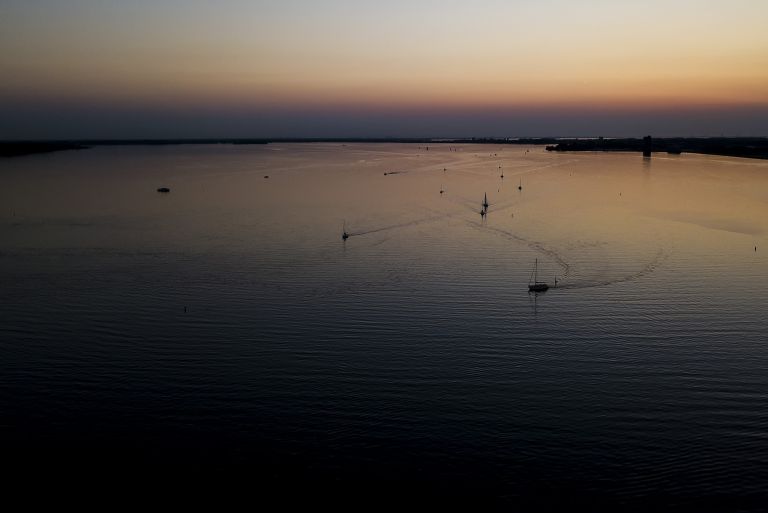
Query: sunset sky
{"points": [[236, 68]]}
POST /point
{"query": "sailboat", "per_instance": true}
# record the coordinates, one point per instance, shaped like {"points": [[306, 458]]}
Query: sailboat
{"points": [[441, 189], [485, 202], [533, 284], [344, 235], [520, 187]]}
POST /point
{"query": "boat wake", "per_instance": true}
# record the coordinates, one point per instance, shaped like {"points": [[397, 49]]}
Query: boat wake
{"points": [[534, 245], [405, 224], [474, 206], [567, 280], [650, 267]]}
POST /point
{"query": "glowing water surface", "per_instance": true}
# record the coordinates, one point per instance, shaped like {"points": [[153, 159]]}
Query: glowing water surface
{"points": [[227, 324]]}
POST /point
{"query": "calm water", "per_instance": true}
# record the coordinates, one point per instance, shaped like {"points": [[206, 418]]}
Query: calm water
{"points": [[411, 354]]}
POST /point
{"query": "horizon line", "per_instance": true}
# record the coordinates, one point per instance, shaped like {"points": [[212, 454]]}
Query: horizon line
{"points": [[391, 138]]}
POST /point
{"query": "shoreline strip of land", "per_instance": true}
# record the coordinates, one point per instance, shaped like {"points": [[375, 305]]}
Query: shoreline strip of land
{"points": [[746, 147]]}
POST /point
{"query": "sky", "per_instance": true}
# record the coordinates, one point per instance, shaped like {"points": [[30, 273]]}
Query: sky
{"points": [[401, 68]]}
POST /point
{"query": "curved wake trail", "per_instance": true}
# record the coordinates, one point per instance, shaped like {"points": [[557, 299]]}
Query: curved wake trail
{"points": [[535, 245], [405, 224], [437, 217], [651, 266]]}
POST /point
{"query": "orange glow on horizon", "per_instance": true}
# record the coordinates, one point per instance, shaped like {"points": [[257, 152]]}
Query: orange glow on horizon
{"points": [[416, 55]]}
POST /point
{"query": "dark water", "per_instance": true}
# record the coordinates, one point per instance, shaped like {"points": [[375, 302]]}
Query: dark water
{"points": [[226, 327]]}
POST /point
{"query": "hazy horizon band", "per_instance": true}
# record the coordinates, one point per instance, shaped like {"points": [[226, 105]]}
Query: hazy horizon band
{"points": [[405, 69]]}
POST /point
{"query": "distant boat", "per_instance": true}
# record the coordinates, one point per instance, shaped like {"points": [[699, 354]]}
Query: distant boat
{"points": [[441, 189], [163, 189], [485, 202], [520, 187], [344, 234], [533, 284]]}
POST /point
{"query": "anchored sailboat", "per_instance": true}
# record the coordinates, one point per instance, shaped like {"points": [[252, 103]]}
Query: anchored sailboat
{"points": [[533, 284]]}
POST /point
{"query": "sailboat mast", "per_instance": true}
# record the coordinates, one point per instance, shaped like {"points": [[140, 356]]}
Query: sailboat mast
{"points": [[536, 286]]}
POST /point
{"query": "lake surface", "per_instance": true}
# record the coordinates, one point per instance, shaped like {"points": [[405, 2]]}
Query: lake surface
{"points": [[227, 327]]}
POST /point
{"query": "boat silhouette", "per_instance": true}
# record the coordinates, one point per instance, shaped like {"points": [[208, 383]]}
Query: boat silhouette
{"points": [[533, 284]]}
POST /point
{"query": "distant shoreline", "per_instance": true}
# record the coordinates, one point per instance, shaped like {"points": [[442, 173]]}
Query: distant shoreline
{"points": [[747, 147], [19, 149]]}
